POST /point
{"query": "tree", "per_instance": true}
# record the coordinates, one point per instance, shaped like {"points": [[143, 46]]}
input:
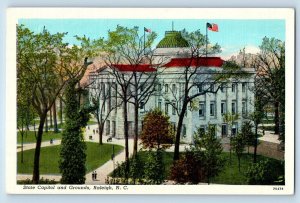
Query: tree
{"points": [[25, 111], [209, 149], [154, 167], [265, 172], [55, 126], [257, 117], [193, 76], [247, 132], [72, 154], [157, 134], [100, 97], [157, 131], [230, 119], [48, 64], [37, 56], [238, 144], [126, 54], [270, 67], [188, 169]]}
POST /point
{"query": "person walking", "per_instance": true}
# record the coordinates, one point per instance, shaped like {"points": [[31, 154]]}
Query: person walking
{"points": [[95, 175]]}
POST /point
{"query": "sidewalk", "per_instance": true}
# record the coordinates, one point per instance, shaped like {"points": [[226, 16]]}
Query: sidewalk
{"points": [[104, 170]]}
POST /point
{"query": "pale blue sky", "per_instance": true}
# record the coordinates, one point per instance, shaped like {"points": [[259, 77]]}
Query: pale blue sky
{"points": [[233, 35]]}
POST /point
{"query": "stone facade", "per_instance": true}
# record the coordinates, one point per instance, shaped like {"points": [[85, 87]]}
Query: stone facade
{"points": [[231, 96]]}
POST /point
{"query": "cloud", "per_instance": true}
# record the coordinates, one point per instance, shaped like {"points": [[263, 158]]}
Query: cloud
{"points": [[227, 52], [252, 49]]}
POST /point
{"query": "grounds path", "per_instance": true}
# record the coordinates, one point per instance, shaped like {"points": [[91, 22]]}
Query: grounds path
{"points": [[104, 170]]}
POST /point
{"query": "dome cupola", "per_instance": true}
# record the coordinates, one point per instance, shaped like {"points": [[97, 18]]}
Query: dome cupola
{"points": [[172, 39]]}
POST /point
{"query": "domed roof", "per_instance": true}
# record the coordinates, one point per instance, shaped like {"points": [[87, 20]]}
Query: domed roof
{"points": [[172, 39]]}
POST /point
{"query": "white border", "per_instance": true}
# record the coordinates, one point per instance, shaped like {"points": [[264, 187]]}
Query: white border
{"points": [[13, 14]]}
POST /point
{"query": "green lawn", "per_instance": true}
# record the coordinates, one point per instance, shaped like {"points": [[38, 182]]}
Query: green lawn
{"points": [[97, 155], [91, 122], [230, 174], [30, 137]]}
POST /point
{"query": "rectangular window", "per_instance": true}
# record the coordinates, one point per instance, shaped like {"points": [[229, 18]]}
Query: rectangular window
{"points": [[244, 108], [107, 127], [183, 133], [173, 108], [173, 88], [109, 97], [212, 109], [224, 130], [159, 104], [201, 109], [234, 129], [222, 88], [166, 88], [114, 128], [166, 108], [244, 87], [233, 87], [159, 87], [142, 105], [233, 107], [212, 87], [223, 107], [103, 90], [200, 88]]}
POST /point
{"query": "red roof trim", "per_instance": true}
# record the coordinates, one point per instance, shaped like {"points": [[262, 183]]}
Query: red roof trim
{"points": [[137, 68], [195, 62]]}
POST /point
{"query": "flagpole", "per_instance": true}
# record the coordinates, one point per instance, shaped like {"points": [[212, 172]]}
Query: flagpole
{"points": [[206, 40], [144, 40]]}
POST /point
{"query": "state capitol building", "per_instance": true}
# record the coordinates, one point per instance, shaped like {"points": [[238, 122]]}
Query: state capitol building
{"points": [[235, 96]]}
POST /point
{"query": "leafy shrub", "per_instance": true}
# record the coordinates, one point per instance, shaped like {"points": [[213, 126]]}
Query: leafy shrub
{"points": [[188, 169], [154, 168], [265, 172]]}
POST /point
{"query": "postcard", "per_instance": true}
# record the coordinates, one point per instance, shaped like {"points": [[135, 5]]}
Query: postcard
{"points": [[150, 101]]}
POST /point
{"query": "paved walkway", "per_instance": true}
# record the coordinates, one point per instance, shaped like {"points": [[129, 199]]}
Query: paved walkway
{"points": [[104, 170]]}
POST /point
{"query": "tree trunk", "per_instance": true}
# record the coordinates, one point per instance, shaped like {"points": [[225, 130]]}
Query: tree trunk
{"points": [[126, 135], [136, 127], [276, 118], [46, 120], [51, 118], [22, 145], [36, 163], [61, 111], [178, 131], [100, 128], [55, 118], [126, 139], [255, 144]]}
